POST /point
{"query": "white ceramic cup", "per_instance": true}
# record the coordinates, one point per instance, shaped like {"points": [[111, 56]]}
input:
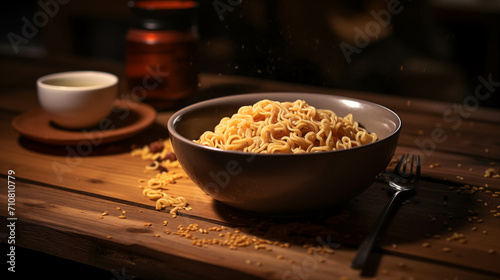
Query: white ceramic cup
{"points": [[77, 99]]}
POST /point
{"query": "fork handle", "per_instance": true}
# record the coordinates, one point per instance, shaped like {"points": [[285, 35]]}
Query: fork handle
{"points": [[367, 244]]}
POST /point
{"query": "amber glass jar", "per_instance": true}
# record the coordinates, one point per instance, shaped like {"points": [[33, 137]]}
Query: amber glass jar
{"points": [[162, 52]]}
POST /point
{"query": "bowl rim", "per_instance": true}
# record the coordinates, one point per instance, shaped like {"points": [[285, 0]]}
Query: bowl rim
{"points": [[208, 103], [111, 82]]}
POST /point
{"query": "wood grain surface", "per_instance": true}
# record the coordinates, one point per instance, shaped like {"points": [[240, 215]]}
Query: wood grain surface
{"points": [[448, 230]]}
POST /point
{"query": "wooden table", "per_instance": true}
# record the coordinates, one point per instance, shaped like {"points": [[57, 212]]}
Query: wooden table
{"points": [[449, 230]]}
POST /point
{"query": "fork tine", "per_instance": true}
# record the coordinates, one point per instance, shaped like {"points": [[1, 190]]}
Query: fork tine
{"points": [[417, 175], [401, 161], [408, 167], [411, 165]]}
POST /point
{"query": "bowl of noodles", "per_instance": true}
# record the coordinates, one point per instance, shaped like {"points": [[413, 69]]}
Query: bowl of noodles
{"points": [[284, 153]]}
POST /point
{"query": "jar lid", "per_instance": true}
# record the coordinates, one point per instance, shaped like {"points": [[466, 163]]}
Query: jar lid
{"points": [[163, 15]]}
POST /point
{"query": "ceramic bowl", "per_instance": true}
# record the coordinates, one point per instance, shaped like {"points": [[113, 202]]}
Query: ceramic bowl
{"points": [[78, 99], [283, 183]]}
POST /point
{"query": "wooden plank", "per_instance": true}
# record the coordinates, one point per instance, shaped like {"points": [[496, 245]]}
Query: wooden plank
{"points": [[21, 153], [454, 169], [46, 224], [430, 133], [100, 175], [50, 220], [443, 218], [363, 220], [110, 172]]}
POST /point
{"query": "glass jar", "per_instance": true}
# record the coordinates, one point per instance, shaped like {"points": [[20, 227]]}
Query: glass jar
{"points": [[162, 52]]}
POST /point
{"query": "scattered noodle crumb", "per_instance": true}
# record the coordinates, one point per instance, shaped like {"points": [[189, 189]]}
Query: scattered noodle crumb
{"points": [[169, 171], [492, 173], [437, 164]]}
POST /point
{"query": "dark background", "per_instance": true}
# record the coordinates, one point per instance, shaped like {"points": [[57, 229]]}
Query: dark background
{"points": [[431, 49]]}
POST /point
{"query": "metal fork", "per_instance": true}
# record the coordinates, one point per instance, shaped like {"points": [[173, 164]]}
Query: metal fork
{"points": [[403, 179]]}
